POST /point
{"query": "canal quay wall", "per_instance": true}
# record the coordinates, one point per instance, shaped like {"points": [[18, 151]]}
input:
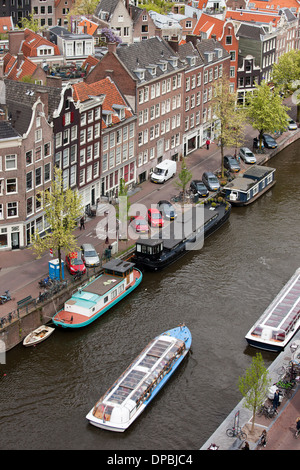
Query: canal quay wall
{"points": [[31, 316]]}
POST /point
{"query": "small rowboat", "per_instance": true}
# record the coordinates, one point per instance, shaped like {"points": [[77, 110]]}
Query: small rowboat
{"points": [[38, 335]]}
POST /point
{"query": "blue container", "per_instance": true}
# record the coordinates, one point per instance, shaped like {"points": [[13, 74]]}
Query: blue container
{"points": [[54, 269]]}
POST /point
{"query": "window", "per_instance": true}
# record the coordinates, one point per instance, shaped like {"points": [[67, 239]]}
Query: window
{"points": [[38, 135], [28, 158], [11, 185], [12, 209], [38, 154], [228, 40], [38, 176], [47, 172], [47, 149], [10, 162]]}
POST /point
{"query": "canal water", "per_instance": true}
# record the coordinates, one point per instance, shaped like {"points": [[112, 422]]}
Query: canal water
{"points": [[218, 292]]}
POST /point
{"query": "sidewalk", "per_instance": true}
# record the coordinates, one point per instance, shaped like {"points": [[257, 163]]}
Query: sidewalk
{"points": [[21, 270]]}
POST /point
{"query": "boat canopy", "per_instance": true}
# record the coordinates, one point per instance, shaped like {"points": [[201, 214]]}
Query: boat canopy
{"points": [[140, 378], [282, 317]]}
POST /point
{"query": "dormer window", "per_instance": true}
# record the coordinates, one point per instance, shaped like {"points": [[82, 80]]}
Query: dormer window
{"points": [[120, 109], [163, 65], [191, 60], [173, 61], [219, 53], [151, 69], [209, 56], [140, 73], [107, 117]]}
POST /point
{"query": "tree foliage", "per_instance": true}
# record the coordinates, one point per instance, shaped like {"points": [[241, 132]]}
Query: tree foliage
{"points": [[265, 110], [61, 208], [287, 71], [225, 112], [31, 23], [254, 385], [184, 177], [84, 7]]}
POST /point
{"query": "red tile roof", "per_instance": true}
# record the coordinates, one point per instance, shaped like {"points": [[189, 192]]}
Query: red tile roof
{"points": [[91, 27], [272, 5], [106, 87], [32, 41], [209, 25], [89, 62], [6, 24], [27, 68], [254, 17]]}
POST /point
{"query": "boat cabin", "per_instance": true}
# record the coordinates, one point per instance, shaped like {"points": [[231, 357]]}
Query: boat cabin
{"points": [[254, 182]]}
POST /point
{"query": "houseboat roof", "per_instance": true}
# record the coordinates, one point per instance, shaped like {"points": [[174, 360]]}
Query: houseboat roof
{"points": [[118, 265], [249, 178]]}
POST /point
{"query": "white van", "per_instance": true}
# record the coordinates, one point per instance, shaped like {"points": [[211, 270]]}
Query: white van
{"points": [[163, 171]]}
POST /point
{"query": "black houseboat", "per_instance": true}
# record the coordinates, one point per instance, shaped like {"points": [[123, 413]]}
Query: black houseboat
{"points": [[186, 233]]}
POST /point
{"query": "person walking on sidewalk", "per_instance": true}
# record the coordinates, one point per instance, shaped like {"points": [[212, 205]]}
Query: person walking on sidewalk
{"points": [[82, 226], [297, 427], [263, 439], [276, 400], [207, 143]]}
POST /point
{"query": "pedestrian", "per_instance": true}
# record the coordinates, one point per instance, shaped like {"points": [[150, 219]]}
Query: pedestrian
{"points": [[276, 400], [246, 446], [297, 426], [82, 226], [263, 438], [207, 143]]}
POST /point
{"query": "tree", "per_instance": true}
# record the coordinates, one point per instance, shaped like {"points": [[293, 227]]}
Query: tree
{"points": [[183, 178], [225, 113], [286, 75], [84, 7], [31, 23], [254, 385], [123, 208], [62, 208], [265, 110]]}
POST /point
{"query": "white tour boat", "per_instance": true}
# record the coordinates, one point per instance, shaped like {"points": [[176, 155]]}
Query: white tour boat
{"points": [[138, 385], [280, 321]]}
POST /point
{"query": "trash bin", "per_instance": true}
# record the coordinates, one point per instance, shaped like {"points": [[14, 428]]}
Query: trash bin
{"points": [[196, 198], [54, 269]]}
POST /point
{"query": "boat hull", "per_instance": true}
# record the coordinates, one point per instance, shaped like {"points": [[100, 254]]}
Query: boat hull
{"points": [[99, 313], [238, 203], [187, 338], [33, 338]]}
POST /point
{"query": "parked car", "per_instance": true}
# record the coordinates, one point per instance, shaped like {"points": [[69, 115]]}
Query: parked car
{"points": [[292, 125], [155, 218], [231, 163], [211, 181], [269, 142], [75, 263], [139, 224], [198, 187], [167, 210], [246, 155], [89, 255]]}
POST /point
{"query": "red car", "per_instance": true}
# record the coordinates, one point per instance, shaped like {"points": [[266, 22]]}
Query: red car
{"points": [[155, 218], [75, 263], [139, 224]]}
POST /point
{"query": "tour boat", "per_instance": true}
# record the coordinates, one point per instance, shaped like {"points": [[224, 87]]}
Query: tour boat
{"points": [[38, 335], [119, 278], [254, 183], [185, 234], [280, 321], [142, 380]]}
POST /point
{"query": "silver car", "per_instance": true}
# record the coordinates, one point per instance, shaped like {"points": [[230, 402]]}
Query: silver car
{"points": [[292, 125], [89, 255], [247, 155]]}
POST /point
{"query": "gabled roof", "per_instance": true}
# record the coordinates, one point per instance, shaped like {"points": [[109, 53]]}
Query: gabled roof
{"points": [[209, 25], [91, 27], [113, 98], [26, 68], [273, 5], [89, 63], [32, 41], [251, 31], [253, 16], [107, 6], [6, 24]]}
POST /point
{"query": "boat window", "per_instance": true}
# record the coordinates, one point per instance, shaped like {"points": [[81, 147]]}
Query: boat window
{"points": [[105, 299], [148, 361], [120, 394], [107, 413], [114, 293], [133, 378], [158, 348], [138, 247]]}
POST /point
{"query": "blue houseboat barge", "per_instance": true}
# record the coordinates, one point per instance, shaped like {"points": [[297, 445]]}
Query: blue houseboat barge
{"points": [[247, 188], [119, 278], [280, 321], [174, 241], [127, 398]]}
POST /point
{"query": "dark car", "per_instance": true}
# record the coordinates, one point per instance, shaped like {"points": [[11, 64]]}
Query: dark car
{"points": [[269, 142], [167, 210], [211, 181], [198, 187], [231, 163]]}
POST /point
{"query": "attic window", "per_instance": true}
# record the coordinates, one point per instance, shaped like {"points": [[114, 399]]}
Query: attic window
{"points": [[173, 61], [107, 117], [191, 60], [163, 65], [218, 53], [140, 73], [120, 110], [152, 69]]}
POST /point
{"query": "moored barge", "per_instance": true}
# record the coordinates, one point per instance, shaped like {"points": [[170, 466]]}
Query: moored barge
{"points": [[126, 399], [185, 234], [280, 321]]}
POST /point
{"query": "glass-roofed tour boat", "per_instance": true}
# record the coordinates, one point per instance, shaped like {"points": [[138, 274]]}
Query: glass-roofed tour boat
{"points": [[125, 400], [119, 278], [280, 321]]}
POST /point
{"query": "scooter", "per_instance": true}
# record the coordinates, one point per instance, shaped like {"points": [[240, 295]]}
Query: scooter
{"points": [[5, 298], [45, 282]]}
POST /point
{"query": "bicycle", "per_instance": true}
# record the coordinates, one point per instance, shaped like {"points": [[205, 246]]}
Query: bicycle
{"points": [[267, 411], [5, 298], [236, 432]]}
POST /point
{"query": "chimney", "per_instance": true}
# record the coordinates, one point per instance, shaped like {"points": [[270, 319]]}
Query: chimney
{"points": [[43, 95], [174, 43], [214, 37], [192, 38], [112, 47], [15, 39], [20, 59]]}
